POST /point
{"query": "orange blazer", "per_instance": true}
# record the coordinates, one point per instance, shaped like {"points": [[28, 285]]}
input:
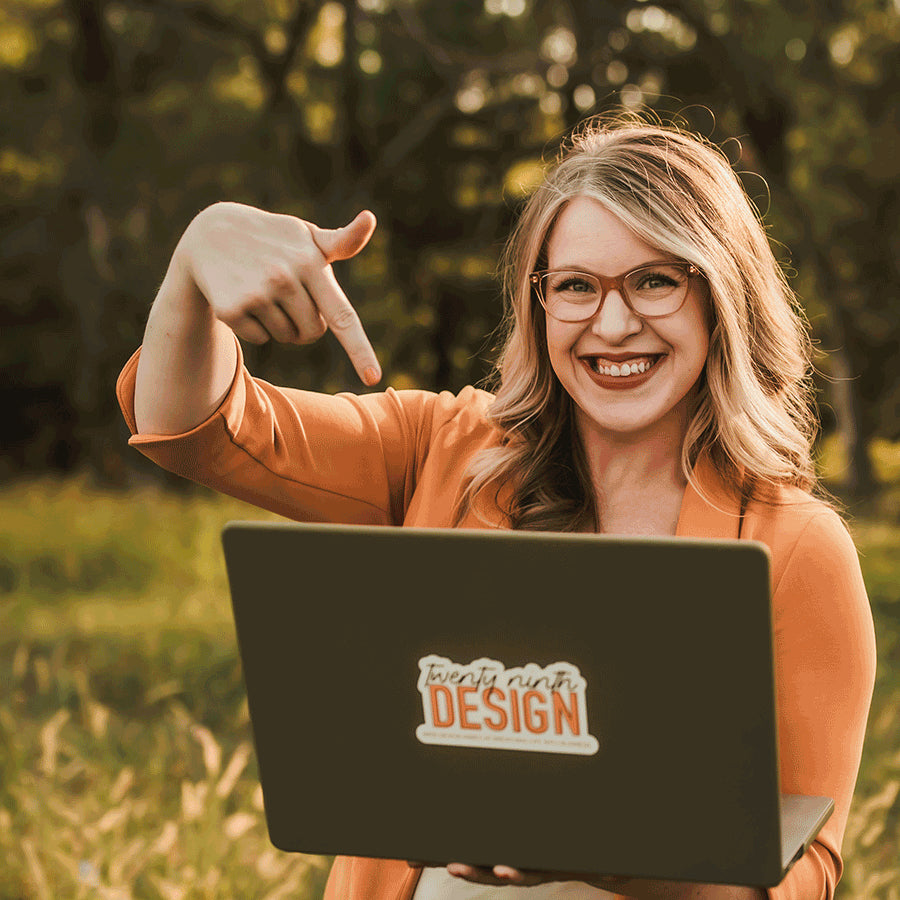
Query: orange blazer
{"points": [[398, 458]]}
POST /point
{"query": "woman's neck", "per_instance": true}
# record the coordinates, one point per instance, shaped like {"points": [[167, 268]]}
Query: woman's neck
{"points": [[638, 480]]}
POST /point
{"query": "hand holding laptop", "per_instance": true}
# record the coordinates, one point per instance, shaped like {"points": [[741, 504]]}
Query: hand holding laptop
{"points": [[508, 875]]}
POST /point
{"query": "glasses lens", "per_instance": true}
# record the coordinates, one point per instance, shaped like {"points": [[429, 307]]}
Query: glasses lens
{"points": [[570, 296], [657, 290]]}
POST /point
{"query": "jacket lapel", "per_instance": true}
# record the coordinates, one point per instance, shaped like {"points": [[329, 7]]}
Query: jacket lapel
{"points": [[712, 509]]}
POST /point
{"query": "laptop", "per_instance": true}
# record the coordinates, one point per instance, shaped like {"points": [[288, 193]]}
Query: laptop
{"points": [[578, 703]]}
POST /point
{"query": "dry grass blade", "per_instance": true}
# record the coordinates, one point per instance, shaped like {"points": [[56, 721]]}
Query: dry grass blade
{"points": [[212, 752], [64, 810], [886, 721], [97, 718], [162, 691], [115, 893], [7, 720], [73, 867], [875, 830], [50, 740], [74, 768], [36, 871], [166, 840], [236, 765], [123, 862], [114, 818], [122, 784], [237, 825], [168, 890], [210, 881], [286, 888], [884, 799], [876, 882], [180, 715], [193, 800], [272, 864], [20, 662]]}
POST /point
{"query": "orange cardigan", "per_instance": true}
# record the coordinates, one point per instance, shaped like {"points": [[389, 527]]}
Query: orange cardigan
{"points": [[398, 458]]}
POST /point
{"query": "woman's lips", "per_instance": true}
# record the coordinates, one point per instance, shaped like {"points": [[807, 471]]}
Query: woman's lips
{"points": [[607, 371]]}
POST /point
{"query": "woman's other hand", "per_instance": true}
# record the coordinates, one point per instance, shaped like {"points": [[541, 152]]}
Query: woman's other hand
{"points": [[637, 888], [509, 876], [269, 276]]}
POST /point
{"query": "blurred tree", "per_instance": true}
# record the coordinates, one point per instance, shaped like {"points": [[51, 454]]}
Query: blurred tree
{"points": [[128, 116]]}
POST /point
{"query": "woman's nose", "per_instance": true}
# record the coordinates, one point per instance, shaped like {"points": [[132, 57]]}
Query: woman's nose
{"points": [[615, 320]]}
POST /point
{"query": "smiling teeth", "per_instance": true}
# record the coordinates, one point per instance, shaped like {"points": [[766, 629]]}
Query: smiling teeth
{"points": [[617, 370]]}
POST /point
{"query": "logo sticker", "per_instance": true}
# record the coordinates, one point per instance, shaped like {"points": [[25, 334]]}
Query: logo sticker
{"points": [[484, 704]]}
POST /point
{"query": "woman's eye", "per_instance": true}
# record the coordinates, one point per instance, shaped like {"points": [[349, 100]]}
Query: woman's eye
{"points": [[650, 281], [574, 286]]}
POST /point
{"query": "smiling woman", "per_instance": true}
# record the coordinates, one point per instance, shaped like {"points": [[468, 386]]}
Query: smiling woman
{"points": [[654, 380], [621, 197], [588, 357]]}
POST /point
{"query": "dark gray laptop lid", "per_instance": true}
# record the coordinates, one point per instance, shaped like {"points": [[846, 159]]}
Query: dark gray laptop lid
{"points": [[365, 650]]}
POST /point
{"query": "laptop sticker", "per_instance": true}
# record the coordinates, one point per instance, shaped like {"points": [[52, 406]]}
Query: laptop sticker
{"points": [[484, 704]]}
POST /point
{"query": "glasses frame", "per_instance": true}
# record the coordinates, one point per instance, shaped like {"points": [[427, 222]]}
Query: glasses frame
{"points": [[607, 284]]}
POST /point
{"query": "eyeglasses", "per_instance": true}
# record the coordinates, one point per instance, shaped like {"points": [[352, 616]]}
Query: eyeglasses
{"points": [[651, 291]]}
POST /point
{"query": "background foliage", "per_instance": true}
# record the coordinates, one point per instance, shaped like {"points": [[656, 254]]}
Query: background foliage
{"points": [[123, 118]]}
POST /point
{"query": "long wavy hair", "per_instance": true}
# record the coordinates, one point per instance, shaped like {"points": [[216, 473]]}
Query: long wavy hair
{"points": [[752, 413]]}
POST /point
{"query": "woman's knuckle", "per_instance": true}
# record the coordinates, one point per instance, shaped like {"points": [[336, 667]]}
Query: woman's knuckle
{"points": [[311, 331], [252, 335], [254, 301], [344, 318], [229, 315], [308, 257], [278, 278]]}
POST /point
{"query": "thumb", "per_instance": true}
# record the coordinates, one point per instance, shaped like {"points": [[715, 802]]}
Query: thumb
{"points": [[342, 243]]}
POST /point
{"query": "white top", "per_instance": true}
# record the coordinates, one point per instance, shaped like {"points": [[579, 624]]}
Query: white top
{"points": [[439, 884]]}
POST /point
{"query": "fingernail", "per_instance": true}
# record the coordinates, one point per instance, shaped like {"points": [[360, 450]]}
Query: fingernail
{"points": [[371, 375]]}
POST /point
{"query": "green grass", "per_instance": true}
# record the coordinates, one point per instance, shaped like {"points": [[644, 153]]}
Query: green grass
{"points": [[125, 763], [125, 768]]}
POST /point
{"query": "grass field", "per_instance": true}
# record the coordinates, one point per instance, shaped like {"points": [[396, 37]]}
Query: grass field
{"points": [[126, 768]]}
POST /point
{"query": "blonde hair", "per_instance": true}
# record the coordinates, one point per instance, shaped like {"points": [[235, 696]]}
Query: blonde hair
{"points": [[752, 413]]}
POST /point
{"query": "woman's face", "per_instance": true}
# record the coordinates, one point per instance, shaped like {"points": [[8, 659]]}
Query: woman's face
{"points": [[588, 238]]}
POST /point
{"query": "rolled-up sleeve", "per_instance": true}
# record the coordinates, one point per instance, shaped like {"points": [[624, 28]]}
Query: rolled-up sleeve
{"points": [[304, 455]]}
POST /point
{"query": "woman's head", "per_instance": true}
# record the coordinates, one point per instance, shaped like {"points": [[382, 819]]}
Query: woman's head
{"points": [[678, 194], [627, 328]]}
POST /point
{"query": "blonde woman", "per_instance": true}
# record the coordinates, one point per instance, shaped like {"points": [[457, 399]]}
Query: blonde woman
{"points": [[654, 380]]}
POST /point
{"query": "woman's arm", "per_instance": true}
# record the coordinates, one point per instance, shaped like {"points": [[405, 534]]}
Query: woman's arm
{"points": [[261, 275]]}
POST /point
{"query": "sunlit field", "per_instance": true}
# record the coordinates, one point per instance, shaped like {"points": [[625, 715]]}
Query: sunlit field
{"points": [[126, 768]]}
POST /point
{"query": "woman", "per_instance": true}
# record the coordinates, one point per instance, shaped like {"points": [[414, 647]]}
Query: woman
{"points": [[654, 380]]}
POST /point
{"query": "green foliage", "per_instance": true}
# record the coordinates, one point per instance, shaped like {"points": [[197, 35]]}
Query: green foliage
{"points": [[128, 117], [110, 564]]}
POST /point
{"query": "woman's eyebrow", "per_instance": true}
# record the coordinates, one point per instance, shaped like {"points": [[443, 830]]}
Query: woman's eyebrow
{"points": [[576, 267]]}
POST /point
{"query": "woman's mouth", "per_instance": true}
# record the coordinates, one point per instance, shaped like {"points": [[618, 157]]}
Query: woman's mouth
{"points": [[637, 365], [621, 374]]}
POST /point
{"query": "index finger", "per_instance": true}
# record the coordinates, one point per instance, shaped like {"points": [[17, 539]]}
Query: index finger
{"points": [[343, 320]]}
